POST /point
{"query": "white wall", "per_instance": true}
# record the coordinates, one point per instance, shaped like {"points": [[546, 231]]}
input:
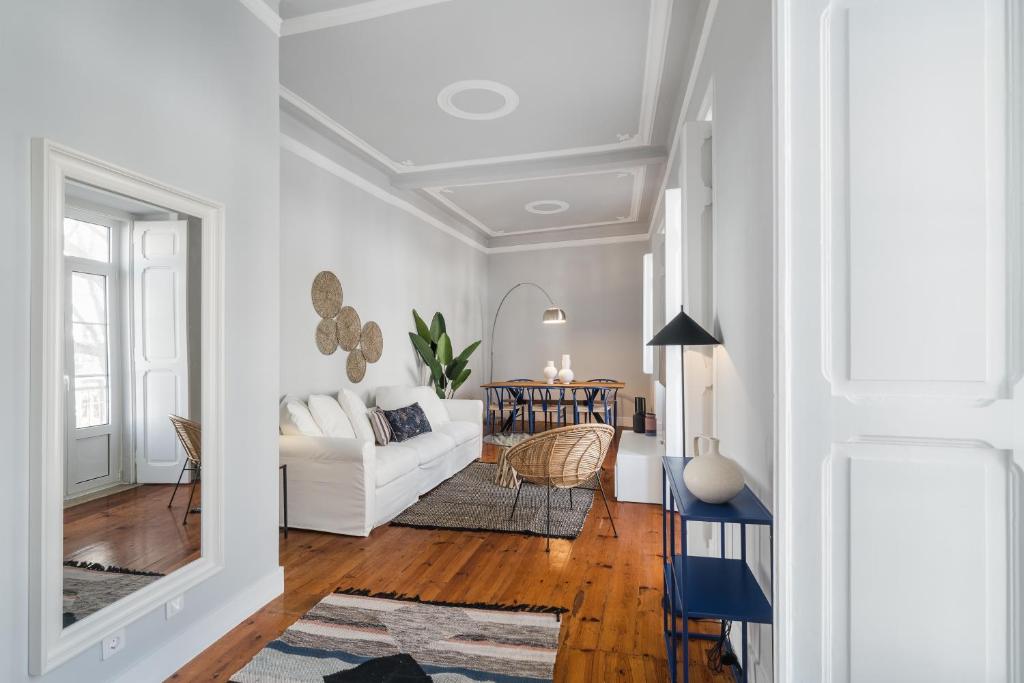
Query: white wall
{"points": [[601, 290], [389, 262], [738, 62], [184, 92]]}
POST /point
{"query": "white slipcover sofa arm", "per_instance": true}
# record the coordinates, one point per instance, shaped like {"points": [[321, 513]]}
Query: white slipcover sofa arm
{"points": [[465, 410], [331, 483]]}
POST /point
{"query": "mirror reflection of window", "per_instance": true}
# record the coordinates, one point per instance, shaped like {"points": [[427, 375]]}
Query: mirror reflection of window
{"points": [[132, 274]]}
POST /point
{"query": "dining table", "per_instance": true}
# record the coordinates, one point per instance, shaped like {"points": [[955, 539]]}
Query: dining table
{"points": [[523, 398]]}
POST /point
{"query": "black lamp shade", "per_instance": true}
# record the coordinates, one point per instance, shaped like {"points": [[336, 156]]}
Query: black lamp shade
{"points": [[683, 330]]}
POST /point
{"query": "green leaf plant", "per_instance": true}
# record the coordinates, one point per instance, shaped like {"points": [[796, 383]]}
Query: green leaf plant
{"points": [[447, 371]]}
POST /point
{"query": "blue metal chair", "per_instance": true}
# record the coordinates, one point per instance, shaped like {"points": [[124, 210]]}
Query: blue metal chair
{"points": [[609, 408]]}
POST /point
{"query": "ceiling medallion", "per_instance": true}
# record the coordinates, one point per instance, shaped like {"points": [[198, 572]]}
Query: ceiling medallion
{"points": [[544, 207], [446, 96]]}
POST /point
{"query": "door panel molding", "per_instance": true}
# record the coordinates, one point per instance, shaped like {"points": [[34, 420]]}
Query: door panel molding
{"points": [[946, 284]]}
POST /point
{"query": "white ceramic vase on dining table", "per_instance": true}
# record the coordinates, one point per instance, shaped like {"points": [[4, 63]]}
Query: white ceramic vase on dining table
{"points": [[565, 375], [550, 372]]}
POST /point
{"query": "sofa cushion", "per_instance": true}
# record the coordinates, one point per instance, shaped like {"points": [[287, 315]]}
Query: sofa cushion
{"points": [[461, 431], [407, 422], [355, 409], [392, 398], [296, 418], [393, 461], [430, 446], [382, 433], [330, 417]]}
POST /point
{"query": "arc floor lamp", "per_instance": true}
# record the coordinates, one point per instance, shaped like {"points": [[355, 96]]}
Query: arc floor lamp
{"points": [[553, 315]]}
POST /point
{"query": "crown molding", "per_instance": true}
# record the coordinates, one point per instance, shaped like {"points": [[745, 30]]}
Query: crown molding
{"points": [[691, 83], [334, 168], [364, 11], [654, 65], [264, 13], [607, 161], [639, 174], [321, 161]]}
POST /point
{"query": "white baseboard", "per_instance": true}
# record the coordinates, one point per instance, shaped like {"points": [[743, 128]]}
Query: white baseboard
{"points": [[185, 646]]}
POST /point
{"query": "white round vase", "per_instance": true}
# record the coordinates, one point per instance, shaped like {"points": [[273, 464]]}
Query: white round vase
{"points": [[711, 476], [565, 375], [550, 372]]}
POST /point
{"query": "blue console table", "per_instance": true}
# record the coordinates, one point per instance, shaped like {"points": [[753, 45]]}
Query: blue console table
{"points": [[708, 587]]}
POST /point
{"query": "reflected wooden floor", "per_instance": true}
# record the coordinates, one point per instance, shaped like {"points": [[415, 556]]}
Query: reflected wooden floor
{"points": [[134, 529], [611, 587]]}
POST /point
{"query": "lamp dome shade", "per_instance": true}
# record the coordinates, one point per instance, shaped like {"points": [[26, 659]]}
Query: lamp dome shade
{"points": [[683, 330], [554, 316]]}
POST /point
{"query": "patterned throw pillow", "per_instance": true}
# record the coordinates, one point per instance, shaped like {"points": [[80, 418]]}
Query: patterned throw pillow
{"points": [[382, 433], [407, 422]]}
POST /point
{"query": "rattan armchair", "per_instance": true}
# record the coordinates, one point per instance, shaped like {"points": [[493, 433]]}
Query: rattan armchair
{"points": [[563, 458], [191, 437]]}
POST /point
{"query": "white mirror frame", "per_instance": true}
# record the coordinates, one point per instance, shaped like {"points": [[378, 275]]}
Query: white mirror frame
{"points": [[50, 643]]}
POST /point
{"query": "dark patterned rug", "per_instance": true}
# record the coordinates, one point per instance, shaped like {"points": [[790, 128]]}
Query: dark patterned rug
{"points": [[89, 587], [471, 501], [352, 635]]}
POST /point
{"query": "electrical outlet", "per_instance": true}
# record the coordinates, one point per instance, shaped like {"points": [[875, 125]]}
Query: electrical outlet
{"points": [[174, 605], [113, 644]]}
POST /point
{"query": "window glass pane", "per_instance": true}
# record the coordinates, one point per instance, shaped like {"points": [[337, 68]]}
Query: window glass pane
{"points": [[88, 298], [92, 402], [90, 349], [86, 240]]}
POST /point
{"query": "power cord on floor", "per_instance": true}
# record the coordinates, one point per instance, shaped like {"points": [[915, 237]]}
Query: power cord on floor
{"points": [[720, 655]]}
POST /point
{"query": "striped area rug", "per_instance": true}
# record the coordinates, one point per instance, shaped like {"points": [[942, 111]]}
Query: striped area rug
{"points": [[447, 643]]}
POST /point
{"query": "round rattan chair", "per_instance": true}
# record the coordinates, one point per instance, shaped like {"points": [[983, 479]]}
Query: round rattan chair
{"points": [[190, 435], [563, 458]]}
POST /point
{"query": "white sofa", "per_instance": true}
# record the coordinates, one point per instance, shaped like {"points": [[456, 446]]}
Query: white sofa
{"points": [[340, 481]]}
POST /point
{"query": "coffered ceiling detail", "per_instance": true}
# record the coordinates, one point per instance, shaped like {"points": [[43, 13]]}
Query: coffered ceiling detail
{"points": [[486, 108]]}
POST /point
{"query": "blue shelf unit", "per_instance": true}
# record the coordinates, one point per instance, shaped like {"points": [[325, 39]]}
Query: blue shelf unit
{"points": [[708, 587]]}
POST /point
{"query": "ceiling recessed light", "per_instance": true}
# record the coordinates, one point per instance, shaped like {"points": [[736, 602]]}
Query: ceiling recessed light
{"points": [[544, 207], [445, 100]]}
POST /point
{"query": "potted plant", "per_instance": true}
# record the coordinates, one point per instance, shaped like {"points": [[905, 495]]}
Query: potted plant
{"points": [[447, 371]]}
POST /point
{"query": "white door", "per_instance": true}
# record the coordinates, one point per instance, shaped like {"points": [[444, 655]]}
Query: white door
{"points": [[901, 426], [159, 271], [92, 359]]}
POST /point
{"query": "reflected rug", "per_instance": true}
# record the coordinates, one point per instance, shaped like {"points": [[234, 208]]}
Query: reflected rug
{"points": [[90, 586], [353, 635], [471, 501]]}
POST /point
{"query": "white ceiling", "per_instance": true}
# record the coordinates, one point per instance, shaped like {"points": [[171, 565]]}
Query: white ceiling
{"points": [[579, 91]]}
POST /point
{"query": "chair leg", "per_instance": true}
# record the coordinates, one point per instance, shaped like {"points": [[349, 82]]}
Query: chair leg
{"points": [[513, 515], [547, 545], [607, 509], [188, 507], [180, 475], [571, 507]]}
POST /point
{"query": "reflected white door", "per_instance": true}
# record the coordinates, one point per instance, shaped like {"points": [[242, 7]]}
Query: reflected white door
{"points": [[91, 324], [900, 485], [159, 268]]}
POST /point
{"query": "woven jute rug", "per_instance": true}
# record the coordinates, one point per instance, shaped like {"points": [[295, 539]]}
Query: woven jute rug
{"points": [[471, 501], [89, 587], [353, 635]]}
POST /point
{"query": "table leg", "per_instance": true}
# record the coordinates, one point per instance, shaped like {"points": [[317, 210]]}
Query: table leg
{"points": [[284, 482]]}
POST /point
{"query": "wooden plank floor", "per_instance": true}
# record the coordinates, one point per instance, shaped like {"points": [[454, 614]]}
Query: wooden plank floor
{"points": [[612, 587], [133, 529]]}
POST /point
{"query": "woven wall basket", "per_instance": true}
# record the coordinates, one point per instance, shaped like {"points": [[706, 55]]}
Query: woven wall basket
{"points": [[327, 336], [349, 329], [355, 367], [327, 294], [371, 343]]}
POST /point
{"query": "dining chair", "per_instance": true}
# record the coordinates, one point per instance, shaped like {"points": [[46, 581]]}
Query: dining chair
{"points": [[190, 435], [562, 458], [598, 403]]}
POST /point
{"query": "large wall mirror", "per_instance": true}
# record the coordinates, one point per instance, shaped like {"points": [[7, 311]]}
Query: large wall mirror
{"points": [[126, 398]]}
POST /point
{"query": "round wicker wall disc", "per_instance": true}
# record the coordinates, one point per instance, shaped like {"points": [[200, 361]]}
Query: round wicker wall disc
{"points": [[356, 367], [327, 294], [327, 336], [372, 342], [348, 328]]}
